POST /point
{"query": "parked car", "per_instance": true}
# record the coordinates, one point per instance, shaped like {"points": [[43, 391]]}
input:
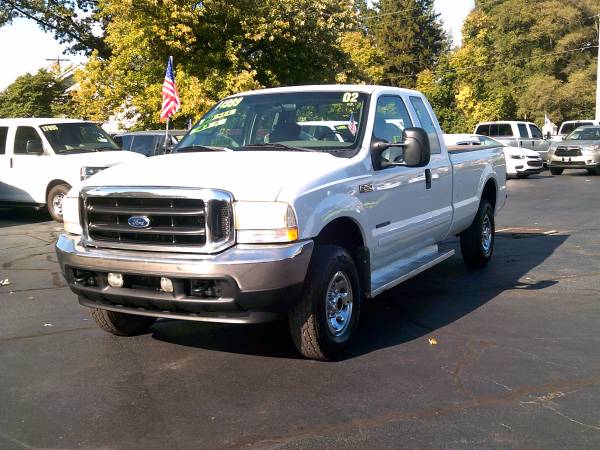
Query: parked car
{"points": [[516, 134], [568, 126], [579, 150], [149, 143], [40, 159], [520, 162], [238, 228]]}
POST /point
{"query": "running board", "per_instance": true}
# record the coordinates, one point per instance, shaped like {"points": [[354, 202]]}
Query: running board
{"points": [[406, 272]]}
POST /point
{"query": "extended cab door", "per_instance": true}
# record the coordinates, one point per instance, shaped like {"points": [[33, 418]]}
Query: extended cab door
{"points": [[401, 215], [523, 135], [538, 143], [29, 167], [4, 165]]}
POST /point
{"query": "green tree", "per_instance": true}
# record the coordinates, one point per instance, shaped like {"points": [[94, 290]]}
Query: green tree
{"points": [[38, 95], [410, 37], [219, 47]]}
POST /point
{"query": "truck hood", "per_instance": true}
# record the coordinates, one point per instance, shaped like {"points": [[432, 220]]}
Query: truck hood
{"points": [[100, 159], [248, 175]]}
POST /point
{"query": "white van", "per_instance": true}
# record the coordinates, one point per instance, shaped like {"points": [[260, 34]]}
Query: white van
{"points": [[516, 134], [40, 159]]}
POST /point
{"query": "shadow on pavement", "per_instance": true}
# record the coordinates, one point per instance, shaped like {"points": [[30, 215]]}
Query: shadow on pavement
{"points": [[419, 306], [11, 216]]}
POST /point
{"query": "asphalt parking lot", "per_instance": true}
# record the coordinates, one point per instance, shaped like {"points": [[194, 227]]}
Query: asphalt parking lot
{"points": [[516, 364]]}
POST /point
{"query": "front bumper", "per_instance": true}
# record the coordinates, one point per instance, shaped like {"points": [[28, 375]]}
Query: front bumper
{"points": [[574, 162], [243, 284]]}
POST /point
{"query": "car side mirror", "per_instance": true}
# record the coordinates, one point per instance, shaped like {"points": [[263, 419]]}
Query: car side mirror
{"points": [[34, 147], [417, 151]]}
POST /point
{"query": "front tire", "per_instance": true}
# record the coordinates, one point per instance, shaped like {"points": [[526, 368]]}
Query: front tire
{"points": [[556, 171], [121, 324], [477, 241], [324, 320], [56, 197]]}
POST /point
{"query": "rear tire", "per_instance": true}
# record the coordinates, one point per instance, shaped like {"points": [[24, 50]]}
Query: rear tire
{"points": [[325, 318], [556, 171], [477, 241], [55, 200], [121, 324]]}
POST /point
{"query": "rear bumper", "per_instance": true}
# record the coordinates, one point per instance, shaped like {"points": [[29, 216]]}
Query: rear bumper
{"points": [[244, 284]]}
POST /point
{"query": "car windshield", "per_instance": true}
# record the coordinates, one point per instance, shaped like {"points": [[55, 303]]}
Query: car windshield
{"points": [[77, 137], [585, 134], [314, 121], [568, 127]]}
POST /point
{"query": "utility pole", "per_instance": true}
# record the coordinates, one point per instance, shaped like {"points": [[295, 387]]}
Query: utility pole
{"points": [[57, 61], [598, 75]]}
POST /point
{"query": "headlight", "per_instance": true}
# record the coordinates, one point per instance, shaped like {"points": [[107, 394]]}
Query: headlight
{"points": [[590, 148], [71, 215], [517, 157], [265, 222], [87, 172]]}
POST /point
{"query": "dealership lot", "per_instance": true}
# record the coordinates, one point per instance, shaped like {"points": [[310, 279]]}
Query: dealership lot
{"points": [[516, 362]]}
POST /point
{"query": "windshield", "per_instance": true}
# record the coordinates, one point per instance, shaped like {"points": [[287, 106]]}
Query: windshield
{"points": [[568, 127], [77, 137], [328, 121], [585, 134]]}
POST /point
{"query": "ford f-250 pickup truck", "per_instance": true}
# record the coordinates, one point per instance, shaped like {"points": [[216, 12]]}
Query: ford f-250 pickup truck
{"points": [[253, 219]]}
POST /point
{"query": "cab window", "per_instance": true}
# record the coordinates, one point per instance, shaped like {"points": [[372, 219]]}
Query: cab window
{"points": [[427, 124], [3, 134], [24, 135], [483, 129], [391, 118], [535, 132], [523, 130]]}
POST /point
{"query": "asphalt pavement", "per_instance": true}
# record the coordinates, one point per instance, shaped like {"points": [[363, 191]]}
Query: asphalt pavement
{"points": [[505, 357]]}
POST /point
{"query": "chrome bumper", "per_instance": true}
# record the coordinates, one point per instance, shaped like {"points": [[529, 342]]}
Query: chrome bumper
{"points": [[260, 279]]}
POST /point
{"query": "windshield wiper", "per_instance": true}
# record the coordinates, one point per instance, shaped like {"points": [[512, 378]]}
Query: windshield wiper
{"points": [[201, 148], [278, 146]]}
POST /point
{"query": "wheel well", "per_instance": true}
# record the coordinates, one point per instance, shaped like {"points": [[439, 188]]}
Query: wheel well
{"points": [[55, 183], [489, 193], [345, 233]]}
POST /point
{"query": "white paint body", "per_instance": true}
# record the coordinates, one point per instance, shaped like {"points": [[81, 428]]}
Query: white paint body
{"points": [[400, 219], [25, 178]]}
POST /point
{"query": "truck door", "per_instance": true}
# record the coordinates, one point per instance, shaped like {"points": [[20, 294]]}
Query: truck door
{"points": [[538, 143], [438, 186], [524, 137], [4, 165], [28, 167]]}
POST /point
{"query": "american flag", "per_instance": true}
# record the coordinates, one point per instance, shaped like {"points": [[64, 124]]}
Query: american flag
{"points": [[170, 96], [352, 125]]}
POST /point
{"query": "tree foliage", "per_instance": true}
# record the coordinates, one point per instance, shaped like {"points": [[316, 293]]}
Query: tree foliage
{"points": [[219, 47], [410, 36], [518, 61], [37, 95]]}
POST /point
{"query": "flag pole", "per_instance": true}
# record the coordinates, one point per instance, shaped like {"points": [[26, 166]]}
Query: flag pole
{"points": [[166, 134]]}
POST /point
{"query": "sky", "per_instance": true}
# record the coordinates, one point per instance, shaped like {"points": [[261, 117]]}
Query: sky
{"points": [[25, 47]]}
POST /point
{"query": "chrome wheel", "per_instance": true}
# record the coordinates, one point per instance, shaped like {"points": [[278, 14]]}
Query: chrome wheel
{"points": [[57, 203], [339, 304], [486, 235]]}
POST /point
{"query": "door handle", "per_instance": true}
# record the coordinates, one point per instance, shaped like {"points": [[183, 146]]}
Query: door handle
{"points": [[427, 179], [11, 163]]}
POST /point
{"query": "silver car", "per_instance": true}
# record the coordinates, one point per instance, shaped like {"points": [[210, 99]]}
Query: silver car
{"points": [[578, 150]]}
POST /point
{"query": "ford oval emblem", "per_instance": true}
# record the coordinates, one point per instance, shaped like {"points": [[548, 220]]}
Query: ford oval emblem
{"points": [[139, 221]]}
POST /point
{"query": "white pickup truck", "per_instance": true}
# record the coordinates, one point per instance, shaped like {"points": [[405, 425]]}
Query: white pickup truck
{"points": [[40, 159], [252, 219]]}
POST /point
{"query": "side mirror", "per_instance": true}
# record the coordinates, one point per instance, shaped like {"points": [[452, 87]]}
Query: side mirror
{"points": [[417, 151], [34, 147]]}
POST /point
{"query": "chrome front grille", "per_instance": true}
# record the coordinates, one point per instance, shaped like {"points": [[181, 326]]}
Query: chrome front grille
{"points": [[158, 219], [567, 151]]}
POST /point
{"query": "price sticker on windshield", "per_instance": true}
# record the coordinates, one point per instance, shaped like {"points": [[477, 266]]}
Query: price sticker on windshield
{"points": [[230, 103], [49, 128], [350, 97]]}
